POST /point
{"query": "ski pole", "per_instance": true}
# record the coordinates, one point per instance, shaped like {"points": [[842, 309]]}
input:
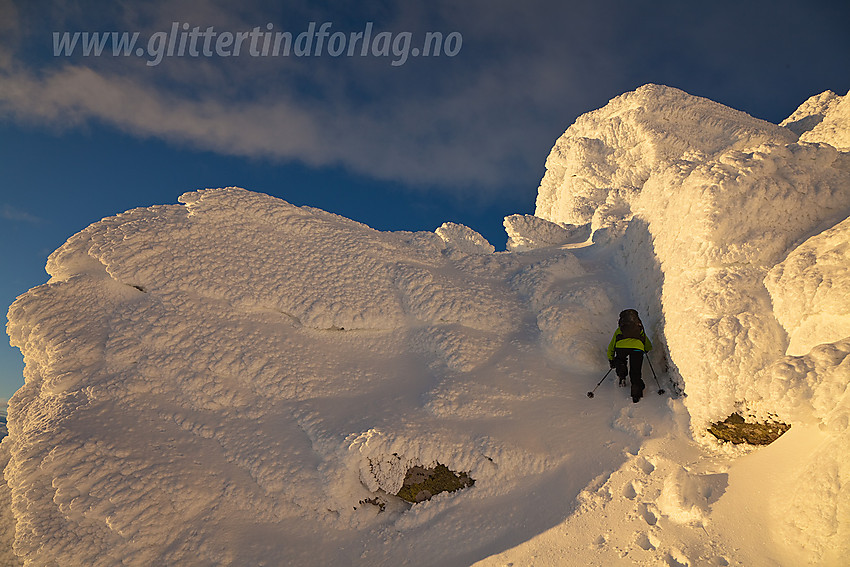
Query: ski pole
{"points": [[590, 393], [660, 389]]}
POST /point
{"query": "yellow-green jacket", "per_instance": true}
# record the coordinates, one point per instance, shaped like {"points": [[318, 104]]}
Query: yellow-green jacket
{"points": [[619, 341]]}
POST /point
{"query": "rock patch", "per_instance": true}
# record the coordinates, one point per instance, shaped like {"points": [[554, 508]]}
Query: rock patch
{"points": [[422, 483], [736, 430]]}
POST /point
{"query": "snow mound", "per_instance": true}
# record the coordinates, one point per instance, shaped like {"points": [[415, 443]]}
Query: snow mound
{"points": [[707, 200], [686, 498], [810, 290], [811, 112], [464, 239], [202, 378], [607, 155], [823, 118], [527, 232]]}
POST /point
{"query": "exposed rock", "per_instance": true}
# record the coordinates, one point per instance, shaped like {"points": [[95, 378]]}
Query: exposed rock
{"points": [[376, 501], [421, 484], [735, 429]]}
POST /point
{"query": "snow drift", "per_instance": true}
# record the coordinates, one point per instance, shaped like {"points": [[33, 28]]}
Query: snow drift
{"points": [[710, 200], [201, 377], [734, 231], [233, 379]]}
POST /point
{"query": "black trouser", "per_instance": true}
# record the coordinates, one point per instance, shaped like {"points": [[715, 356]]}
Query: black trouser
{"points": [[632, 368]]}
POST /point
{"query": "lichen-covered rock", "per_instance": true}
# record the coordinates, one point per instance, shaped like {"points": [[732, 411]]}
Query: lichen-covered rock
{"points": [[422, 483], [736, 430]]}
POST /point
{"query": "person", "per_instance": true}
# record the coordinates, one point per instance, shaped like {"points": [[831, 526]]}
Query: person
{"points": [[626, 350]]}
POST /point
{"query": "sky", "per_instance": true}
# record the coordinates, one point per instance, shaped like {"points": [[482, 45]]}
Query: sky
{"points": [[389, 136]]}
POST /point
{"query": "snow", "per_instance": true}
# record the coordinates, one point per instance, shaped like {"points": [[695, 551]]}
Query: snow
{"points": [[707, 206], [527, 232], [823, 118], [229, 380], [809, 290], [463, 239]]}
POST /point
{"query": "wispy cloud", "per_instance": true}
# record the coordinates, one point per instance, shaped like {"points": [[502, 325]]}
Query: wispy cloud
{"points": [[10, 213], [427, 122], [485, 118]]}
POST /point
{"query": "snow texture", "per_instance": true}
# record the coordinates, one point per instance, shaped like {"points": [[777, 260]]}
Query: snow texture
{"points": [[463, 239], [527, 232], [823, 118], [810, 290], [230, 380], [201, 376], [709, 200]]}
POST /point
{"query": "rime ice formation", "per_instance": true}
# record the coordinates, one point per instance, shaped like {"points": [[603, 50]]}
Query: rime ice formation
{"points": [[463, 239], [235, 380], [810, 290], [526, 232], [217, 373], [709, 200], [607, 155], [823, 118]]}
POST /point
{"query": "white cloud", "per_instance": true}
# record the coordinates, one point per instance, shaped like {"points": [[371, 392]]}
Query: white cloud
{"points": [[483, 119], [428, 122], [10, 213]]}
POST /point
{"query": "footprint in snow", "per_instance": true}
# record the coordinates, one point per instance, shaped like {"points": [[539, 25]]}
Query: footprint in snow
{"points": [[643, 465], [648, 515], [676, 558], [645, 541], [599, 542], [628, 423]]}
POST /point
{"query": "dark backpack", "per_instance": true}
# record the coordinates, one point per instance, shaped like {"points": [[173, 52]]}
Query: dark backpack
{"points": [[630, 324]]}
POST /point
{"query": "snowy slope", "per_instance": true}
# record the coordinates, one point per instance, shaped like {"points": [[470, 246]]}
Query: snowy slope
{"points": [[713, 199], [823, 118], [226, 381], [203, 378], [736, 232]]}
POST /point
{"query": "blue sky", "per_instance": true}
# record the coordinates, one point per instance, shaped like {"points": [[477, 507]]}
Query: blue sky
{"points": [[459, 138]]}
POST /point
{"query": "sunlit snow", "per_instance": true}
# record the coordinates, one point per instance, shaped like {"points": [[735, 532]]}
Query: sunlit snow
{"points": [[230, 380]]}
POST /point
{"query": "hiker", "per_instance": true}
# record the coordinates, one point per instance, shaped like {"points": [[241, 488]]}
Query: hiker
{"points": [[625, 352]]}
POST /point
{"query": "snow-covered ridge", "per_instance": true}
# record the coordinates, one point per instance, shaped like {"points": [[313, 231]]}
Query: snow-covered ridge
{"points": [[608, 154], [249, 362], [709, 199], [823, 118], [230, 380]]}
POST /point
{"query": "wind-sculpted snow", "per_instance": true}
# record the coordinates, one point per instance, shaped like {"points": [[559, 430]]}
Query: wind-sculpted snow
{"points": [[709, 207], [204, 377], [607, 155], [810, 290], [823, 118], [710, 199], [526, 232], [464, 239], [235, 380]]}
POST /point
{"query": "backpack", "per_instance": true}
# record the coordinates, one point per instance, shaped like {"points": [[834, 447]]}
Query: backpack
{"points": [[630, 324]]}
